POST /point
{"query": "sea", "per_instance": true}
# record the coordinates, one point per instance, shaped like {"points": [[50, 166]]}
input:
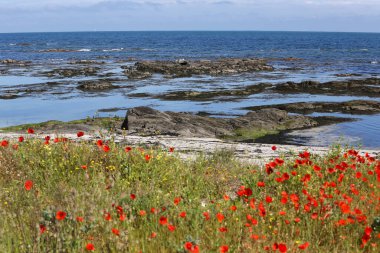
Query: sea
{"points": [[296, 56]]}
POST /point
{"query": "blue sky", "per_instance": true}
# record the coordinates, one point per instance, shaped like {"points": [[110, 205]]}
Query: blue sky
{"points": [[130, 15]]}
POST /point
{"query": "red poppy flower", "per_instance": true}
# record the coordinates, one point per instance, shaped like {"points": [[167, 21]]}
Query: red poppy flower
{"points": [[90, 247], [99, 143], [107, 216], [206, 215], [304, 246], [220, 217], [190, 247], [163, 220], [142, 212], [79, 219], [171, 149], [122, 217], [60, 215], [4, 143], [233, 208], [115, 231], [255, 237], [30, 131], [182, 214], [177, 200], [223, 229], [282, 247], [80, 134], [20, 139], [28, 185], [268, 199], [297, 219], [260, 184], [274, 148], [153, 235], [223, 249], [147, 158], [132, 196], [106, 148], [127, 149], [171, 227], [42, 228]]}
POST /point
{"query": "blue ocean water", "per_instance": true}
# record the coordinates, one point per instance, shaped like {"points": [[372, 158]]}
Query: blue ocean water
{"points": [[357, 50], [321, 57]]}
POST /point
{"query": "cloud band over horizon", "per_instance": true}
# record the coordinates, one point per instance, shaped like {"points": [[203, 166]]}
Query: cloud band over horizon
{"points": [[91, 15]]}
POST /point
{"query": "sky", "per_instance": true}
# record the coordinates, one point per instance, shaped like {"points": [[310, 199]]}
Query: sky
{"points": [[160, 15]]}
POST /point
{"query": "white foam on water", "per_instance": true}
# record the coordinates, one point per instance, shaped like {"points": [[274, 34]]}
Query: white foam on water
{"points": [[84, 50], [113, 50]]}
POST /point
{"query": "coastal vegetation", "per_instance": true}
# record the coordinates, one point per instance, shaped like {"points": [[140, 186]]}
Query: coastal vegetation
{"points": [[75, 195]]}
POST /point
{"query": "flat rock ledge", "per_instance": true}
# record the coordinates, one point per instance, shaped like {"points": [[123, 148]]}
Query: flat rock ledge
{"points": [[96, 85], [352, 107], [183, 68]]}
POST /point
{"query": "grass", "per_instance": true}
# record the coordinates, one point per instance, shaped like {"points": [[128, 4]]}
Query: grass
{"points": [[244, 134], [70, 196], [101, 122]]}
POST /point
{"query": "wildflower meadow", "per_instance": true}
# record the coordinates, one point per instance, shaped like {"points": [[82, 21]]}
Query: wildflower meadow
{"points": [[75, 195]]}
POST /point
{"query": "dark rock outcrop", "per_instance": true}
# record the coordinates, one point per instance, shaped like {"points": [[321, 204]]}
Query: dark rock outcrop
{"points": [[86, 62], [9, 96], [208, 95], [352, 107], [147, 121], [15, 62], [361, 87], [70, 72], [183, 68], [96, 85]]}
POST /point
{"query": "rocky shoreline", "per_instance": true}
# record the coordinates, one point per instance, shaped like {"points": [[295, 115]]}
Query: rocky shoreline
{"points": [[145, 121], [262, 123]]}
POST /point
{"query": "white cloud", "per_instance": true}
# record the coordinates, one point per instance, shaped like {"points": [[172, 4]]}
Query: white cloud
{"points": [[65, 3], [52, 15]]}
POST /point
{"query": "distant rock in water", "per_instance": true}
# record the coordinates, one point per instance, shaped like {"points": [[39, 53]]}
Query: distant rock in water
{"points": [[96, 85], [183, 68], [15, 62], [352, 107], [70, 72], [360, 87]]}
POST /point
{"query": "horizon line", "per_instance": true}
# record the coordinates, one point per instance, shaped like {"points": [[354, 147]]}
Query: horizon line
{"points": [[95, 31]]}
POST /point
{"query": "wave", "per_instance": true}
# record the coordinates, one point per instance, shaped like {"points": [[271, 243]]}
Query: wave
{"points": [[84, 50], [113, 50], [374, 62], [63, 50], [142, 49]]}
